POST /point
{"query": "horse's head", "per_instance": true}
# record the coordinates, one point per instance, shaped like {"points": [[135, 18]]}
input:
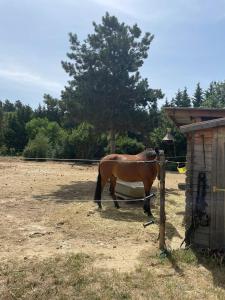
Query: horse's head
{"points": [[150, 153], [158, 166]]}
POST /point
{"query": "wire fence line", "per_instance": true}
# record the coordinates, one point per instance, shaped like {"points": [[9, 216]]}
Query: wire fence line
{"points": [[87, 160], [100, 160], [90, 160], [175, 162], [76, 159]]}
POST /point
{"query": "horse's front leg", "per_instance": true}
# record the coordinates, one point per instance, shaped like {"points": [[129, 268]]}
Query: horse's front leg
{"points": [[147, 206]]}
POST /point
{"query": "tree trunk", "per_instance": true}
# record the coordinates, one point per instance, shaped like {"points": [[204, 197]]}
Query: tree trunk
{"points": [[112, 141]]}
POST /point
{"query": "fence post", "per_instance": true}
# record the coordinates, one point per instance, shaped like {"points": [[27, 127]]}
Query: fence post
{"points": [[162, 163]]}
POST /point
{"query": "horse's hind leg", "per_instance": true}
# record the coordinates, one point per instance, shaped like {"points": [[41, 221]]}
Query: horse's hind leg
{"points": [[103, 183], [112, 191], [99, 189]]}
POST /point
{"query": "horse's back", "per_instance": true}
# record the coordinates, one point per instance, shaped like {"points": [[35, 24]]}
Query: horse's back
{"points": [[126, 167], [119, 157]]}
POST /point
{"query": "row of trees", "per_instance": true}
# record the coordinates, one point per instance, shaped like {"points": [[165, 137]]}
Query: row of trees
{"points": [[51, 131], [213, 96], [106, 106]]}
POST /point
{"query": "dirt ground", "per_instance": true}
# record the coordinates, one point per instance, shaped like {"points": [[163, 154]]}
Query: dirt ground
{"points": [[47, 209]]}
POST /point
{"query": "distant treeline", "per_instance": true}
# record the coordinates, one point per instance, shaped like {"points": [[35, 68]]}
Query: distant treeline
{"points": [[50, 131]]}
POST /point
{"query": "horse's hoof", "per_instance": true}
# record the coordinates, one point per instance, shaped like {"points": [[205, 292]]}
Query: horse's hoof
{"points": [[151, 217]]}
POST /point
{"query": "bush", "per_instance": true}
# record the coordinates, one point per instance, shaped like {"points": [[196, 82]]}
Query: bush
{"points": [[64, 148], [3, 150], [127, 145], [39, 147], [84, 141]]}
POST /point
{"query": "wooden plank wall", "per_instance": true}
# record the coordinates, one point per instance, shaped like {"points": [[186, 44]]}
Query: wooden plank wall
{"points": [[189, 202], [197, 162], [217, 228]]}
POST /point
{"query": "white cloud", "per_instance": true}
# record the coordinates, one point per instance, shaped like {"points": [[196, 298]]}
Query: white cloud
{"points": [[25, 77], [127, 7]]}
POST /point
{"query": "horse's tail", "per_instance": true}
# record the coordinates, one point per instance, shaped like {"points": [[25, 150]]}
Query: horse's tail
{"points": [[98, 189]]}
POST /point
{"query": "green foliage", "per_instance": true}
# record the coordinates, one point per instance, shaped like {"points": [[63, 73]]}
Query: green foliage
{"points": [[186, 101], [198, 96], [185, 256], [50, 129], [127, 145], [3, 150], [8, 106], [35, 126], [58, 139], [39, 147], [63, 148], [14, 132], [156, 137], [13, 118], [84, 140], [215, 95], [181, 99]]}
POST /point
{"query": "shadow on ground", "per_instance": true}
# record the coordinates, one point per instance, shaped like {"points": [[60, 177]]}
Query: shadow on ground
{"points": [[171, 191], [171, 231], [75, 192], [213, 264], [127, 212], [84, 191]]}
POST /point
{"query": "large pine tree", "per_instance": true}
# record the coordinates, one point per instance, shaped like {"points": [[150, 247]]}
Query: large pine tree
{"points": [[106, 88]]}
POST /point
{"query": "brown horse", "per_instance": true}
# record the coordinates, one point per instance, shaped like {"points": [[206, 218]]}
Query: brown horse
{"points": [[140, 167]]}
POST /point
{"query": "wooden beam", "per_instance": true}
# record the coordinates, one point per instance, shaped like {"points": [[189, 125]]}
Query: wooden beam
{"points": [[162, 227], [202, 125]]}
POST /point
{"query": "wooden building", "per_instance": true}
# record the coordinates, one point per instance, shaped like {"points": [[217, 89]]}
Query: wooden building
{"points": [[205, 177], [206, 155]]}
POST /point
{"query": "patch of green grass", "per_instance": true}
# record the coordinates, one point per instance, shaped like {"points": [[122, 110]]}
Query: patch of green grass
{"points": [[75, 277], [69, 277], [186, 256]]}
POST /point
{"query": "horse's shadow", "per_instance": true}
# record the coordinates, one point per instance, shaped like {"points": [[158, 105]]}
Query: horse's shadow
{"points": [[129, 212], [83, 191], [74, 192]]}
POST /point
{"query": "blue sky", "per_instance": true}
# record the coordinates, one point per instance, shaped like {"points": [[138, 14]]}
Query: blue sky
{"points": [[188, 46]]}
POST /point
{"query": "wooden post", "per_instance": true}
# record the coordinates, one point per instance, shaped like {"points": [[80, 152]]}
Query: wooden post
{"points": [[162, 227]]}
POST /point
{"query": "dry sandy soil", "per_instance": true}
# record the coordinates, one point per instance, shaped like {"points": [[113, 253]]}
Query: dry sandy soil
{"points": [[46, 209], [55, 244]]}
